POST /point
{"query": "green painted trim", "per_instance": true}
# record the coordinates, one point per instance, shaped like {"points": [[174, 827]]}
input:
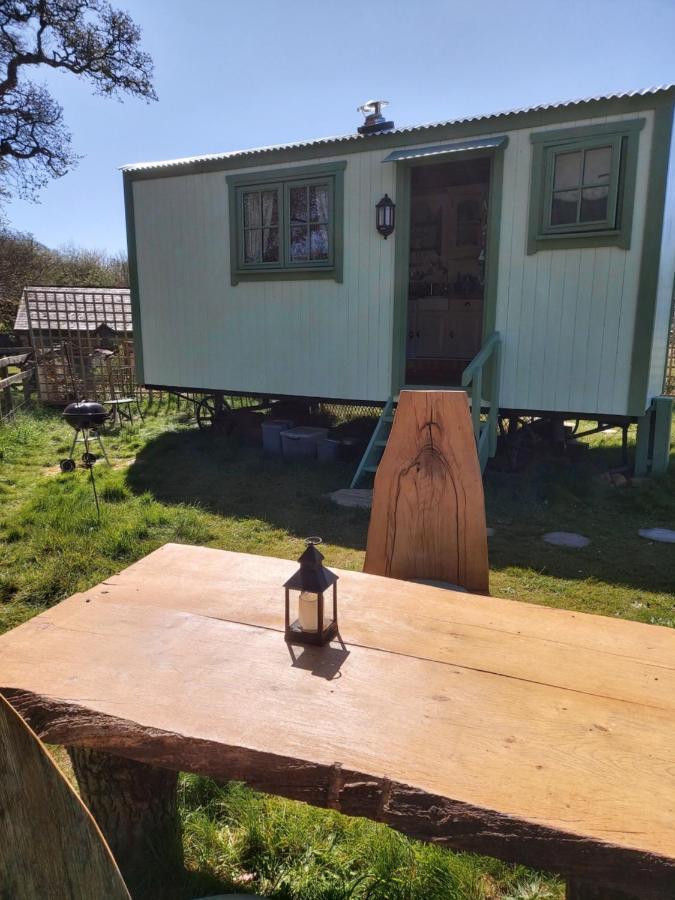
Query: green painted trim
{"points": [[402, 252], [401, 277], [282, 179], [643, 332], [663, 420], [551, 153], [581, 132], [643, 442], [584, 109], [544, 145], [133, 276], [323, 274], [293, 173], [493, 234]]}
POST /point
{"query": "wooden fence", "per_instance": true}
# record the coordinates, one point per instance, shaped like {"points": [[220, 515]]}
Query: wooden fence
{"points": [[15, 386]]}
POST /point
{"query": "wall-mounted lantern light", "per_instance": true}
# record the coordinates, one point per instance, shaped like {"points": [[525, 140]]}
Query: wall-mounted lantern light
{"points": [[314, 624], [385, 213]]}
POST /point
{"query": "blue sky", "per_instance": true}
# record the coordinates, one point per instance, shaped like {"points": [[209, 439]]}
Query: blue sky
{"points": [[241, 74]]}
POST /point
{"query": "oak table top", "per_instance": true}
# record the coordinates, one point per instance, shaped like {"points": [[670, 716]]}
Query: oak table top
{"points": [[532, 734]]}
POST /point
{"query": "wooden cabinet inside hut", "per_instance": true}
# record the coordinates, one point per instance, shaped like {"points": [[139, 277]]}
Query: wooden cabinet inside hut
{"points": [[448, 230]]}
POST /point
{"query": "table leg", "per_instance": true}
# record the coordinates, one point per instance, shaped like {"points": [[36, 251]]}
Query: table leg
{"points": [[135, 806], [583, 890]]}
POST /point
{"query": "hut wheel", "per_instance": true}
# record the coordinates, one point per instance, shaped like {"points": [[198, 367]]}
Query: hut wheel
{"points": [[214, 413]]}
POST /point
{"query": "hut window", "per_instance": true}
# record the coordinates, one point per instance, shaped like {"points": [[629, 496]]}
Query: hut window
{"points": [[287, 224], [582, 186]]}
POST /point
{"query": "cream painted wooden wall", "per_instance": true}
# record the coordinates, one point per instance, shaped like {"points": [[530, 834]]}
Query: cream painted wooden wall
{"points": [[315, 338], [566, 316], [666, 286]]}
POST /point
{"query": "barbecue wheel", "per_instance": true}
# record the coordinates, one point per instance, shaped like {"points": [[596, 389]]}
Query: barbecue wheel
{"points": [[67, 465], [89, 459], [209, 416]]}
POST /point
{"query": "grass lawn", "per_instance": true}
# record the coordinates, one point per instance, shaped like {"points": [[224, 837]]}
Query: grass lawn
{"points": [[172, 483]]}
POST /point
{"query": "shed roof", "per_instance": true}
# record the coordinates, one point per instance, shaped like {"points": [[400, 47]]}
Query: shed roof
{"points": [[406, 130], [74, 309]]}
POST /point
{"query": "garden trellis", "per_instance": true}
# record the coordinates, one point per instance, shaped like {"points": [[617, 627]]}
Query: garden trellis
{"points": [[82, 341]]}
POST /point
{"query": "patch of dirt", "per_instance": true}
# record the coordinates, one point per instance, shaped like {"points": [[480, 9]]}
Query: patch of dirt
{"points": [[50, 471]]}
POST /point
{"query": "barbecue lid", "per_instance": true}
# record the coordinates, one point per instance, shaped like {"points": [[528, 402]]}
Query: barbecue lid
{"points": [[85, 412]]}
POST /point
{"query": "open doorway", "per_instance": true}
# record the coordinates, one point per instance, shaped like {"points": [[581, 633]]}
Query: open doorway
{"points": [[448, 232]]}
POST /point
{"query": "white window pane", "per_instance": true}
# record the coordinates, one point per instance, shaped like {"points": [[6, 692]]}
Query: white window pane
{"points": [[318, 203], [594, 204], [270, 207], [299, 243], [318, 240], [567, 170], [252, 245], [298, 197], [564, 208], [251, 209], [270, 245], [597, 165]]}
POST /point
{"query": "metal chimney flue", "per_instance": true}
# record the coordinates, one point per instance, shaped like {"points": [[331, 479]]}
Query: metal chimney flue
{"points": [[375, 121]]}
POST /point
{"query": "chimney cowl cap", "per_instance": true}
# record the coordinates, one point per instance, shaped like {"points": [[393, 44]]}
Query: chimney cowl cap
{"points": [[375, 121]]}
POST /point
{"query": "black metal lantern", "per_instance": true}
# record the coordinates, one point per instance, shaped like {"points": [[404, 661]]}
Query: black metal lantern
{"points": [[385, 215], [313, 625]]}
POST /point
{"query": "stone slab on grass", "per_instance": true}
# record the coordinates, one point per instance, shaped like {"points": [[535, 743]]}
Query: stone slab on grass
{"points": [[663, 535], [355, 498], [566, 539]]}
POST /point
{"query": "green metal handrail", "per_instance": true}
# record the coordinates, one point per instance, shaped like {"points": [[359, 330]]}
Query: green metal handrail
{"points": [[490, 352]]}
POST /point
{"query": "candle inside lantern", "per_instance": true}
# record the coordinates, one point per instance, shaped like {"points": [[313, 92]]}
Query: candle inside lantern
{"points": [[308, 611]]}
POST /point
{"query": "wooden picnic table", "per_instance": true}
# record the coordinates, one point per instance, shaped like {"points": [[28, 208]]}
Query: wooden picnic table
{"points": [[531, 734]]}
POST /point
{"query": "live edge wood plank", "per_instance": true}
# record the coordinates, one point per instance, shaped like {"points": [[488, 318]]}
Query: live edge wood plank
{"points": [[410, 810], [428, 516], [534, 735]]}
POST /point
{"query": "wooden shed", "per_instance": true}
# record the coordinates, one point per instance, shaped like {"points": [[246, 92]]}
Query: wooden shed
{"points": [[532, 260], [81, 338]]}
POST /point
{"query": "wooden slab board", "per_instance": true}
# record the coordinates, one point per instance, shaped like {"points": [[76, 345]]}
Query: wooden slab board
{"points": [[532, 734], [428, 515], [49, 844]]}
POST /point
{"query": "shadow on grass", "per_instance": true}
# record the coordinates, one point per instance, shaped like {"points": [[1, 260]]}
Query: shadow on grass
{"points": [[566, 492], [237, 481], [554, 492]]}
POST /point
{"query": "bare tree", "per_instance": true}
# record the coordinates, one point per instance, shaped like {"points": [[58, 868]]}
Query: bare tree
{"points": [[85, 37]]}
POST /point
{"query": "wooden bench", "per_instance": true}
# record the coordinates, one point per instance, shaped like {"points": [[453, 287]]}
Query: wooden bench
{"points": [[535, 735]]}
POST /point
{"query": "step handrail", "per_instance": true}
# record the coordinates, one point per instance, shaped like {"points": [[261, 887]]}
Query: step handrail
{"points": [[472, 375]]}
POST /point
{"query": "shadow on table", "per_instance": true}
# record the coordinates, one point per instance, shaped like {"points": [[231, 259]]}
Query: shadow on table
{"points": [[323, 662], [237, 481]]}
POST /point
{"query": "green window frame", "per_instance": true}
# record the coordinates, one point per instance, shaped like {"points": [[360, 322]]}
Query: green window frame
{"points": [[573, 203], [287, 224]]}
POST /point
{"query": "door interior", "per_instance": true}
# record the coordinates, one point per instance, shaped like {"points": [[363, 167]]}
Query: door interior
{"points": [[448, 232]]}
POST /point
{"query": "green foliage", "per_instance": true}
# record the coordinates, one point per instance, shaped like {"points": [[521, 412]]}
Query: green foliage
{"points": [[89, 39], [23, 261], [291, 851]]}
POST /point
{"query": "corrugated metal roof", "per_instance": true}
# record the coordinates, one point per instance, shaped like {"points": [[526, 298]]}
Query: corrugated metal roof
{"points": [[444, 149], [345, 138], [74, 309]]}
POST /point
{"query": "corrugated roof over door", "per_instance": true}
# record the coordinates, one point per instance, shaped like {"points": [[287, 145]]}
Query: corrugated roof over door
{"points": [[447, 148]]}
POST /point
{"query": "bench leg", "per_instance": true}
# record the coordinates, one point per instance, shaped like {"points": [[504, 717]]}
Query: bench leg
{"points": [[135, 806], [582, 890]]}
